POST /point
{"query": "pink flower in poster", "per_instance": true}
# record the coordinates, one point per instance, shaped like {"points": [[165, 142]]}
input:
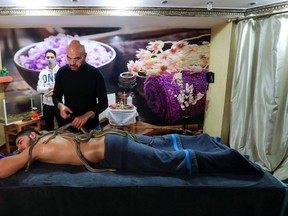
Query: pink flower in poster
{"points": [[170, 56], [175, 84]]}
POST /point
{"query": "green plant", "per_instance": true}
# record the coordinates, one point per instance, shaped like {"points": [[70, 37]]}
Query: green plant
{"points": [[4, 71]]}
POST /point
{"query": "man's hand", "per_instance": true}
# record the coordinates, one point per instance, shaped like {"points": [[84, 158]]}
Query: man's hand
{"points": [[65, 111], [79, 121], [50, 91]]}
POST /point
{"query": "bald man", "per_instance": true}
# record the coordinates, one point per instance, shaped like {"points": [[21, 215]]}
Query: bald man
{"points": [[84, 90]]}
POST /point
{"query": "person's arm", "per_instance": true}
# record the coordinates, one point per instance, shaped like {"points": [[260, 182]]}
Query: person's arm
{"points": [[41, 87], [79, 121], [101, 93], [65, 112], [58, 92], [12, 164]]}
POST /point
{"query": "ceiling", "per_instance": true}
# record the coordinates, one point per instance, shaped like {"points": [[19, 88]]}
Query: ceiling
{"points": [[99, 13], [220, 4]]}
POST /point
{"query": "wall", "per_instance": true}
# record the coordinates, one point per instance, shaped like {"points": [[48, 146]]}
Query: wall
{"points": [[217, 112], [123, 40], [217, 121]]}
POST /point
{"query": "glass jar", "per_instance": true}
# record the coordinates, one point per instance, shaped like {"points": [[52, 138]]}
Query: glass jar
{"points": [[126, 84]]}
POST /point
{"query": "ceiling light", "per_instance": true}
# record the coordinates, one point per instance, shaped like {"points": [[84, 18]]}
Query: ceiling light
{"points": [[210, 5]]}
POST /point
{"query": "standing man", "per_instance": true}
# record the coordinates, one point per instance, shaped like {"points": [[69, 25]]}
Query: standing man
{"points": [[45, 86], [84, 90]]}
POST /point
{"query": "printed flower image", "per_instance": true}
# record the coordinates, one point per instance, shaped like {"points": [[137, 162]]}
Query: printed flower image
{"points": [[30, 60], [173, 96], [185, 92], [175, 77], [34, 59], [170, 56]]}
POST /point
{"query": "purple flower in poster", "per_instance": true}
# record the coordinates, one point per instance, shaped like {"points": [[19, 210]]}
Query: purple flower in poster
{"points": [[160, 94], [34, 59]]}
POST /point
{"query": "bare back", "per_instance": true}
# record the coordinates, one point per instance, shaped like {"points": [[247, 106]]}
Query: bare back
{"points": [[62, 150], [59, 150]]}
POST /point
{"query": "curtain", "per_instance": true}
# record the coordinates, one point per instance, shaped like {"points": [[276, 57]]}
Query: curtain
{"points": [[259, 105]]}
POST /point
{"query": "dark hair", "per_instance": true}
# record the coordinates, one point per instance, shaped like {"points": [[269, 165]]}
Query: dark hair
{"points": [[26, 132], [50, 51]]}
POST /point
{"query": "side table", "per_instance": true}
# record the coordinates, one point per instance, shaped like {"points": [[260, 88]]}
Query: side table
{"points": [[122, 118], [15, 127]]}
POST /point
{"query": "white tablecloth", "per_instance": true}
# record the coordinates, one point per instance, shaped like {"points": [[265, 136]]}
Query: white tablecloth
{"points": [[121, 117]]}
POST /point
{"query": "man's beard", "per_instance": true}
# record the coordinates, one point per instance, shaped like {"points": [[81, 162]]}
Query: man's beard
{"points": [[75, 67]]}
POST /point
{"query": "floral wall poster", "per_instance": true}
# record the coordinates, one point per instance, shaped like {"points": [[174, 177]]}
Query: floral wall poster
{"points": [[175, 72], [125, 49]]}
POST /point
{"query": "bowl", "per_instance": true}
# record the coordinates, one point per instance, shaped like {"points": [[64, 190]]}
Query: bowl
{"points": [[31, 76]]}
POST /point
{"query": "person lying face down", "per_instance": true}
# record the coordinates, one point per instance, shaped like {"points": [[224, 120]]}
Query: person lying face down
{"points": [[120, 150]]}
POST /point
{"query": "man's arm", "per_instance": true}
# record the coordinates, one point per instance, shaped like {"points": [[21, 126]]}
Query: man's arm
{"points": [[41, 88], [101, 93], [79, 121], [58, 91], [12, 164]]}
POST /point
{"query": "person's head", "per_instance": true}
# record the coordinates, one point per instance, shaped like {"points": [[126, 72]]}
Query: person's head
{"points": [[25, 138], [50, 56], [75, 55]]}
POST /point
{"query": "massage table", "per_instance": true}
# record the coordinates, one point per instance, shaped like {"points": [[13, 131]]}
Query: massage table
{"points": [[47, 189]]}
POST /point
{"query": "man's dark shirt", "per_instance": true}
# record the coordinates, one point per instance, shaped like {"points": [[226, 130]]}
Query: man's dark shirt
{"points": [[83, 91]]}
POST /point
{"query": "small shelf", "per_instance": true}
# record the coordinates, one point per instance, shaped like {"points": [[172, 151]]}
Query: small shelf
{"points": [[5, 79]]}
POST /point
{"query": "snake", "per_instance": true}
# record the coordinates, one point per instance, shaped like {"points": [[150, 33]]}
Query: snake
{"points": [[77, 139]]}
